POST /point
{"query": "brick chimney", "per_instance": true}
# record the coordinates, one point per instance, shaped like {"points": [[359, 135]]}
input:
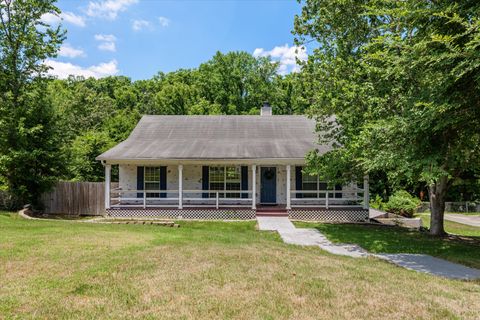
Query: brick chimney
{"points": [[266, 109]]}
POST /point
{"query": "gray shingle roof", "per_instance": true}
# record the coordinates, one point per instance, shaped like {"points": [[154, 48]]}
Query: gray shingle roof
{"points": [[217, 137]]}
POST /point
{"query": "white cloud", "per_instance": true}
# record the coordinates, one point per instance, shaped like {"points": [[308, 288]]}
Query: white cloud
{"points": [[107, 42], [73, 19], [108, 9], [69, 17], [68, 51], [138, 25], [50, 18], [107, 46], [286, 55], [64, 69], [105, 37], [164, 22]]}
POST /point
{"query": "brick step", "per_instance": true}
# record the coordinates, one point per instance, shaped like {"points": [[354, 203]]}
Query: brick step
{"points": [[271, 209], [272, 214]]}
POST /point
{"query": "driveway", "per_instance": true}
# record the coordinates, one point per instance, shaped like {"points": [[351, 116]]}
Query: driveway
{"points": [[470, 220], [473, 221]]}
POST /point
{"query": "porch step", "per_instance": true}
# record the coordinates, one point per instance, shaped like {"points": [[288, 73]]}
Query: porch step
{"points": [[271, 208], [278, 213]]}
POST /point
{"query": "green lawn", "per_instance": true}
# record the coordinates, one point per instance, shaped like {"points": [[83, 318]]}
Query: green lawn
{"points": [[205, 270], [383, 239], [454, 227]]}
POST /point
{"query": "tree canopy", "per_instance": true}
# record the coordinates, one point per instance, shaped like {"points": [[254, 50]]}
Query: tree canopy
{"points": [[402, 79], [30, 157]]}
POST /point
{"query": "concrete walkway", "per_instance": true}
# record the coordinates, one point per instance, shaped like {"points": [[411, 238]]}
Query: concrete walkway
{"points": [[307, 237], [428, 264], [312, 237], [373, 213], [473, 221]]}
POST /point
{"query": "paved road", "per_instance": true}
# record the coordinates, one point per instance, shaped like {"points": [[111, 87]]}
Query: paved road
{"points": [[418, 262], [473, 221], [470, 220]]}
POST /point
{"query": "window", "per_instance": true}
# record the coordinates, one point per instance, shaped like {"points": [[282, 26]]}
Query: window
{"points": [[309, 183], [312, 183], [216, 179], [152, 181], [225, 178]]}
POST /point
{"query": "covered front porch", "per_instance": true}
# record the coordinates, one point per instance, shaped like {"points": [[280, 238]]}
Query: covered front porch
{"points": [[193, 187]]}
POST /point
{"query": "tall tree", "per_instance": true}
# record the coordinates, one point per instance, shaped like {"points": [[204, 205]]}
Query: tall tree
{"points": [[237, 81], [84, 149], [401, 79], [29, 142]]}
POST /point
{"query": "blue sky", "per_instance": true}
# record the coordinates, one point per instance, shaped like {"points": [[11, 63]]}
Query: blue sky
{"points": [[138, 38]]}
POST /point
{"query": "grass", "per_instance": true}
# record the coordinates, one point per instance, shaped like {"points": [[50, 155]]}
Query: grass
{"points": [[382, 239], [215, 270], [454, 227]]}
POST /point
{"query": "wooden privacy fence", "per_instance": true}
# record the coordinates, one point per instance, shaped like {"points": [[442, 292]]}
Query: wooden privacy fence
{"points": [[75, 198]]}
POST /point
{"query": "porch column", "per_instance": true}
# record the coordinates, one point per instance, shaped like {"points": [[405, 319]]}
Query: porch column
{"points": [[288, 187], [108, 170], [180, 186], [366, 193], [254, 187]]}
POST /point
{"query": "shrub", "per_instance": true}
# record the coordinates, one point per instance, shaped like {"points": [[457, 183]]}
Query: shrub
{"points": [[402, 203], [377, 203]]}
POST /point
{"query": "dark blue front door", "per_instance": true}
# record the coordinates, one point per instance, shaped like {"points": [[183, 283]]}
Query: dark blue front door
{"points": [[268, 185]]}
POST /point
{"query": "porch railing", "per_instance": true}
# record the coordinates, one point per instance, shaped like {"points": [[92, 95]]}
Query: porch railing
{"points": [[327, 198], [126, 198], [230, 198]]}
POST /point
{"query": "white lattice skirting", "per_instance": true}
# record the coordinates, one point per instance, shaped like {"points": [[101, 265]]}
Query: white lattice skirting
{"points": [[200, 214], [340, 215]]}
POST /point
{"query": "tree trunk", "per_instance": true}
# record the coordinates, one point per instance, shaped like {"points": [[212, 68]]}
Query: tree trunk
{"points": [[437, 193]]}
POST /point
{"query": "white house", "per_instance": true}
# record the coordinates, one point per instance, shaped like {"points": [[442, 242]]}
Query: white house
{"points": [[225, 167]]}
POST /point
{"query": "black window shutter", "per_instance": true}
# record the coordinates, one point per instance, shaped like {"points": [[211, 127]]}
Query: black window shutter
{"points": [[140, 173], [163, 181], [298, 181], [205, 184], [339, 194], [244, 176]]}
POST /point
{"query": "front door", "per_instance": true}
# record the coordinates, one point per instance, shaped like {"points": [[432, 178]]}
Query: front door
{"points": [[268, 185]]}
